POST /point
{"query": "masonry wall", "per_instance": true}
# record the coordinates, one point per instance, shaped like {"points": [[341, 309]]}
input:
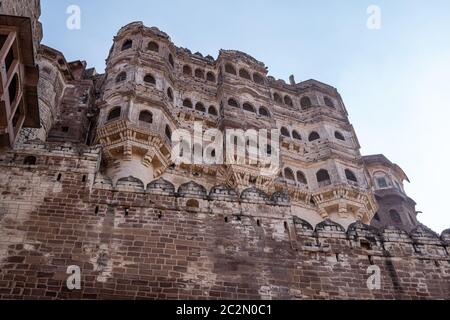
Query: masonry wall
{"points": [[163, 250]]}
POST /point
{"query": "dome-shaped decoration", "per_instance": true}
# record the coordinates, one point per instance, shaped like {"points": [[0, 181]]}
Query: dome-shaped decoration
{"points": [[446, 235], [281, 198], [192, 189], [359, 226], [161, 186], [223, 193], [302, 224], [361, 230], [423, 232], [329, 226], [254, 195], [130, 183]]}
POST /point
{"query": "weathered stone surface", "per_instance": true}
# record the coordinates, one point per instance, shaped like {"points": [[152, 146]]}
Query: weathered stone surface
{"points": [[95, 187]]}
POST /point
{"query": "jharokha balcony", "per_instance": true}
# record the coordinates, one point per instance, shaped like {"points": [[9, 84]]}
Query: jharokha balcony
{"points": [[18, 79]]}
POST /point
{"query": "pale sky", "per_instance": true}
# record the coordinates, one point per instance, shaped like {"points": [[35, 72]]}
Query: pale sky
{"points": [[394, 81]]}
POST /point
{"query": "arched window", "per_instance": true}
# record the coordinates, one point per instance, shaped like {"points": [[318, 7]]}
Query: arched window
{"points": [[127, 45], [29, 161], [285, 132], [149, 79], [172, 63], [233, 103], [212, 111], [248, 107], [263, 112], [187, 70], [187, 103], [296, 135], [288, 101], [210, 77], [170, 94], [258, 78], [277, 98], [121, 77], [229, 68], [289, 174], [328, 102], [301, 178], [314, 136], [381, 179], [153, 46], [323, 177], [200, 107], [199, 73], [114, 114], [350, 176], [339, 136], [168, 133], [146, 116], [395, 216], [244, 74], [305, 102]]}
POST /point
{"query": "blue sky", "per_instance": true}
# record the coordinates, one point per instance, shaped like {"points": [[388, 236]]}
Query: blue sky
{"points": [[394, 81]]}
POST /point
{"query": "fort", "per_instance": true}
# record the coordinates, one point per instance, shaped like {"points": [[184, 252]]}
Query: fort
{"points": [[87, 180]]}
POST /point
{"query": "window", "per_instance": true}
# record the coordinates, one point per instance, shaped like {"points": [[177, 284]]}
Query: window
{"points": [[210, 77], [395, 216], [127, 45], [146, 116], [187, 103], [244, 74], [305, 102], [65, 129], [187, 70], [288, 174], [328, 102], [288, 101], [263, 112], [170, 94], [29, 161], [121, 77], [376, 217], [314, 136], [285, 132], [229, 68], [277, 98], [233, 103], [258, 78], [168, 133], [153, 46], [199, 73], [13, 89], [9, 59], [114, 114], [301, 178], [149, 79], [212, 111], [339, 136], [382, 183], [172, 63], [200, 107], [296, 135], [350, 176], [248, 107], [192, 203], [323, 178]]}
